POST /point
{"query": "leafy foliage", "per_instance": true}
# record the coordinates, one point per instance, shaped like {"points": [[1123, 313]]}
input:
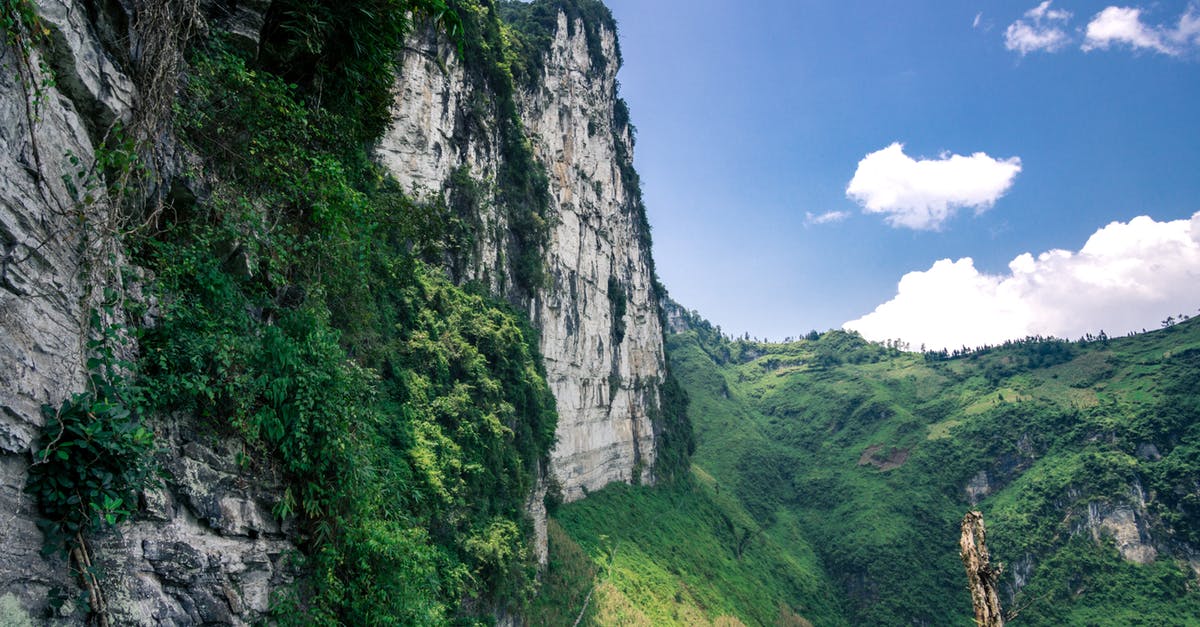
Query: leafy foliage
{"points": [[674, 440], [521, 181], [92, 461], [618, 304], [567, 581], [342, 55], [94, 455], [410, 417], [20, 23], [535, 23]]}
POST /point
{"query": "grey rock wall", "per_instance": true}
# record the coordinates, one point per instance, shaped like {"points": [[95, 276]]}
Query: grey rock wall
{"points": [[43, 300], [207, 550], [605, 383], [604, 387]]}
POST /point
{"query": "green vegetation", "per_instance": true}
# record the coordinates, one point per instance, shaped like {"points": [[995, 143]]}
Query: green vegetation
{"points": [[674, 439], [20, 23], [533, 25], [618, 304], [409, 416], [566, 591], [685, 553], [522, 187], [297, 307], [342, 56], [94, 455], [869, 452]]}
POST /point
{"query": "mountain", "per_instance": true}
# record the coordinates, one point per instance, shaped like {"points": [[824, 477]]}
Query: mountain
{"points": [[315, 312], [856, 461], [311, 307]]}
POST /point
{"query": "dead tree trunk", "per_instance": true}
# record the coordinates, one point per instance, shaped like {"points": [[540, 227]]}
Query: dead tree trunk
{"points": [[982, 578]]}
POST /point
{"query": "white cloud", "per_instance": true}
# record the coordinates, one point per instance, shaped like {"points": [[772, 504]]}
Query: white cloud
{"points": [[1044, 12], [1123, 26], [1128, 276], [1038, 30], [1025, 38], [978, 19], [923, 194], [1187, 33], [828, 217]]}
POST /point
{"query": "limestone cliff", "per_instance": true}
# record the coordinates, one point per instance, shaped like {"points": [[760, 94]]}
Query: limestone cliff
{"points": [[604, 363], [206, 548], [43, 296]]}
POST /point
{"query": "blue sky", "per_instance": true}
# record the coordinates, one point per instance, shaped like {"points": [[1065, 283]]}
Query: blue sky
{"points": [[753, 119]]}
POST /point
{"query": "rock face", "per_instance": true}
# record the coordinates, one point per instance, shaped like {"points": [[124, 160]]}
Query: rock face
{"points": [[44, 297], [206, 550], [978, 488], [1126, 524], [677, 317], [604, 365], [1124, 520]]}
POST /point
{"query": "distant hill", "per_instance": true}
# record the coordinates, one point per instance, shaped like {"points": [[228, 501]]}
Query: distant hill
{"points": [[1083, 456]]}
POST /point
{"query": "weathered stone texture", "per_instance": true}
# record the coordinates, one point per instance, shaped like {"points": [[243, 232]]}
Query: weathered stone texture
{"points": [[604, 388], [207, 550], [42, 301]]}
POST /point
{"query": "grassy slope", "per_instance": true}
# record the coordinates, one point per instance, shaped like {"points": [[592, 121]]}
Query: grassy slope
{"points": [[851, 463], [688, 554], [859, 518]]}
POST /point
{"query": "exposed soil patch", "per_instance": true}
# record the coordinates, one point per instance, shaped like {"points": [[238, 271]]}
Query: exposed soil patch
{"points": [[885, 460]]}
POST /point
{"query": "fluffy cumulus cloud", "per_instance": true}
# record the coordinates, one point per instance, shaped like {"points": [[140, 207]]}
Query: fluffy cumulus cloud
{"points": [[924, 193], [1128, 276], [1039, 30], [1123, 26]]}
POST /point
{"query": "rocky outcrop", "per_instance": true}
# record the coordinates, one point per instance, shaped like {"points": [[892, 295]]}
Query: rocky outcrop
{"points": [[1127, 530], [207, 549], [1126, 523], [604, 383], [982, 577], [677, 317], [1123, 520], [978, 488], [604, 363]]}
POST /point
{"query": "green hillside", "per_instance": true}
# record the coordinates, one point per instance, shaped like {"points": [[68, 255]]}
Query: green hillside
{"points": [[689, 554], [857, 462]]}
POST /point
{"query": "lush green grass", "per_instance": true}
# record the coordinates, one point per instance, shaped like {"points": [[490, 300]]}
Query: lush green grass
{"points": [[689, 554], [567, 584], [864, 453]]}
